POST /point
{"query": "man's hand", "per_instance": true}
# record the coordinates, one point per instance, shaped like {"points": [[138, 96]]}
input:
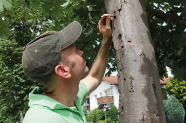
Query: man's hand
{"points": [[105, 26], [95, 76]]}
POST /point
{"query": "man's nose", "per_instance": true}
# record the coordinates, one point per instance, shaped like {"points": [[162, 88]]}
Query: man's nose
{"points": [[81, 52]]}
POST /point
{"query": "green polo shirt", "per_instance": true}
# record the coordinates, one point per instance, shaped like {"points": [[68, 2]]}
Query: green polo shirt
{"points": [[44, 109]]}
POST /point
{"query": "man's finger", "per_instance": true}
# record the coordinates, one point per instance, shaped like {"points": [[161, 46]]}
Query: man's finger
{"points": [[108, 21], [106, 15], [99, 21]]}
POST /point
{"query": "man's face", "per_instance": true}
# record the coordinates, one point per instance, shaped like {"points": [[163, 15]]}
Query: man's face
{"points": [[79, 68]]}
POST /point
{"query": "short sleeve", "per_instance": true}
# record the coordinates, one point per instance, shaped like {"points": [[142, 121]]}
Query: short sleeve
{"points": [[82, 92]]}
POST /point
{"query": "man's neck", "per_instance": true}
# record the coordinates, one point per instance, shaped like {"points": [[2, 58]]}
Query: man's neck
{"points": [[65, 93]]}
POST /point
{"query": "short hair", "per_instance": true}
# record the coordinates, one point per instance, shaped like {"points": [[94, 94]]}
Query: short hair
{"points": [[51, 84]]}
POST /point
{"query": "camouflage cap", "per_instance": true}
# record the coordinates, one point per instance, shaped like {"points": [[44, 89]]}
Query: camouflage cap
{"points": [[41, 55]]}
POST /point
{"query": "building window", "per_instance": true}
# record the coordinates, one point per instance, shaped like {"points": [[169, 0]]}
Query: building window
{"points": [[100, 94], [95, 97], [109, 92]]}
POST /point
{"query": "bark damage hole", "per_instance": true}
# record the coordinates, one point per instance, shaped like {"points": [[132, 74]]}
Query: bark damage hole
{"points": [[119, 37], [121, 111], [131, 85], [146, 118], [123, 1], [129, 42], [154, 86], [122, 108], [122, 46], [143, 118], [114, 50], [119, 9], [142, 55]]}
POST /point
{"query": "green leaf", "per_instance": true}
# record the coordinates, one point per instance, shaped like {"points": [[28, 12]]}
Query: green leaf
{"points": [[180, 52], [67, 4], [89, 8], [90, 18], [6, 4], [4, 31]]}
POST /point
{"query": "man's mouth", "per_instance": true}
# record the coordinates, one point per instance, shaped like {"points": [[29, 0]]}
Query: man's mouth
{"points": [[84, 62]]}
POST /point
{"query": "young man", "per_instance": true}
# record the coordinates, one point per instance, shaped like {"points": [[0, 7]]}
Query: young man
{"points": [[54, 63]]}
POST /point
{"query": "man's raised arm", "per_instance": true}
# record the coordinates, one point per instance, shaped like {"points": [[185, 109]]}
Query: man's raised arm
{"points": [[95, 76]]}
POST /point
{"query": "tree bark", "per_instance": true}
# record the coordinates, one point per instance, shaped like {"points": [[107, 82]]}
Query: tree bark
{"points": [[140, 96]]}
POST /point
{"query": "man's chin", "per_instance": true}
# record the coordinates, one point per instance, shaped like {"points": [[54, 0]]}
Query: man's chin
{"points": [[86, 70]]}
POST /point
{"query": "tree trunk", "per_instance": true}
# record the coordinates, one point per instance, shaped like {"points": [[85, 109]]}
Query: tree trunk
{"points": [[140, 96]]}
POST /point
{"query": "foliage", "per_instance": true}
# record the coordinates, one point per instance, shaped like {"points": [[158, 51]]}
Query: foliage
{"points": [[4, 31], [173, 108], [177, 89], [101, 121], [99, 115], [86, 115], [85, 112], [107, 121], [112, 113], [87, 118], [168, 35], [96, 115], [6, 4], [164, 93], [15, 86]]}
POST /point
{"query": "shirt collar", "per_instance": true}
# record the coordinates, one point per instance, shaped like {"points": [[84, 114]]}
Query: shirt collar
{"points": [[36, 98]]}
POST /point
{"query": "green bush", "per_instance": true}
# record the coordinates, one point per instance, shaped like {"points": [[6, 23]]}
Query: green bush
{"points": [[112, 113], [85, 112], [108, 120], [96, 115], [87, 118], [173, 109], [101, 121]]}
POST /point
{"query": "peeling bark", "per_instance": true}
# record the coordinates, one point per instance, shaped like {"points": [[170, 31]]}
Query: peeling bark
{"points": [[140, 96]]}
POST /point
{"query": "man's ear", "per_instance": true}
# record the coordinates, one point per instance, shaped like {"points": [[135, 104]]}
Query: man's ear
{"points": [[63, 71]]}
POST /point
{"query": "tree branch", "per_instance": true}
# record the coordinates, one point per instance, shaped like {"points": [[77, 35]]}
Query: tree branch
{"points": [[162, 15]]}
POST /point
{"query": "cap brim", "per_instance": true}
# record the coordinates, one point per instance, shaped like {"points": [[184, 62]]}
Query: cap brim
{"points": [[71, 33]]}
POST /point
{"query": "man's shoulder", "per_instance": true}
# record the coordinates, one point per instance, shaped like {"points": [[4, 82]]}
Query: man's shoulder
{"points": [[39, 114]]}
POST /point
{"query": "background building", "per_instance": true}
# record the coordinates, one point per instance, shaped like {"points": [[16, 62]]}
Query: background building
{"points": [[107, 92]]}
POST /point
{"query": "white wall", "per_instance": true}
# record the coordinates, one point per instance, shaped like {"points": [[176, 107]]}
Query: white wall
{"points": [[116, 95], [85, 103], [104, 86]]}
